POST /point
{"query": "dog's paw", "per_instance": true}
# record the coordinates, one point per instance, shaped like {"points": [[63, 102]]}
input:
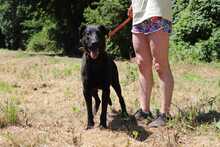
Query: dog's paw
{"points": [[89, 127], [103, 126]]}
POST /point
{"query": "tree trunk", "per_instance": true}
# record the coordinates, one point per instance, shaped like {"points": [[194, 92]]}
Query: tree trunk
{"points": [[70, 15]]}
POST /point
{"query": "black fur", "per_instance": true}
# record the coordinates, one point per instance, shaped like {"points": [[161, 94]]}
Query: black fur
{"points": [[98, 71]]}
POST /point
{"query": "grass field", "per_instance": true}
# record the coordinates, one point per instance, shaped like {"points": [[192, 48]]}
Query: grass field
{"points": [[41, 105]]}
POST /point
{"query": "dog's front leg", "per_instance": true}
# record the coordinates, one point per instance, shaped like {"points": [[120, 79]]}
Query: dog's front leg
{"points": [[105, 99], [97, 101], [88, 98]]}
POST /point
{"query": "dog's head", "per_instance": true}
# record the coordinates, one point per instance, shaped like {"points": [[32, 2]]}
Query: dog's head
{"points": [[92, 39]]}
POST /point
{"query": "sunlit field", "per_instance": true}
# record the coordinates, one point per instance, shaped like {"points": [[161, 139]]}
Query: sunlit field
{"points": [[41, 105]]}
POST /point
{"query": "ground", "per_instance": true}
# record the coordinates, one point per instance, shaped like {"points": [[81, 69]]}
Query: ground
{"points": [[46, 93]]}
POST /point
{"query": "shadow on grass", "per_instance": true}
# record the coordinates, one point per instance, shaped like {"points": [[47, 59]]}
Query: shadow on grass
{"points": [[127, 125], [209, 117]]}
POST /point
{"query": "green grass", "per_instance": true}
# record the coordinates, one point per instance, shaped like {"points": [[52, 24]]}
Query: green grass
{"points": [[192, 77], [75, 109], [5, 87], [68, 92], [131, 74], [9, 136], [67, 71], [53, 60], [21, 54], [9, 110], [201, 116]]}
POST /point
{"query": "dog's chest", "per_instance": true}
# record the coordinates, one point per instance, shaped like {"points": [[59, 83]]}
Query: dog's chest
{"points": [[96, 73]]}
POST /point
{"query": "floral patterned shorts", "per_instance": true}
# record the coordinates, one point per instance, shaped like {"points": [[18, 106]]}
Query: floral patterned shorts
{"points": [[152, 25]]}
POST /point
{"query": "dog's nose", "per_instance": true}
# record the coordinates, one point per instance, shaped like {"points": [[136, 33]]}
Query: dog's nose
{"points": [[94, 44]]}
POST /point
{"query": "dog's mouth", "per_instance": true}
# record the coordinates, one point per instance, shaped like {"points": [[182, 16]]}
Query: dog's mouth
{"points": [[93, 54]]}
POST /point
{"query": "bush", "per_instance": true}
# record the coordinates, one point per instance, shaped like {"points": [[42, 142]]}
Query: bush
{"points": [[44, 40], [192, 28], [196, 31], [182, 51], [210, 49]]}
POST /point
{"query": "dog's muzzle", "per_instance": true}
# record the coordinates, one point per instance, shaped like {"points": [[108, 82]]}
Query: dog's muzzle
{"points": [[93, 55]]}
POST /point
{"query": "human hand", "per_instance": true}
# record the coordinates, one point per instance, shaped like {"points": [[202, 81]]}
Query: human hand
{"points": [[130, 12]]}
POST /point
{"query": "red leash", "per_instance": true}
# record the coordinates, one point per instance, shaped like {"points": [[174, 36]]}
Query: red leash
{"points": [[119, 27]]}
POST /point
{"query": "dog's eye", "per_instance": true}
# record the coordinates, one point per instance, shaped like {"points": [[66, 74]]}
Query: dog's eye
{"points": [[88, 33]]}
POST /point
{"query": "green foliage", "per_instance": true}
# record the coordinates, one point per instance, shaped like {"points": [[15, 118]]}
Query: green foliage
{"points": [[20, 20], [182, 51], [210, 49], [191, 28], [43, 40], [51, 25], [35, 22], [178, 6], [12, 14], [10, 22], [101, 12], [111, 13], [112, 48], [196, 30]]}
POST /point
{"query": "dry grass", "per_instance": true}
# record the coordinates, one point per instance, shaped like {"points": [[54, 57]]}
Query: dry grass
{"points": [[51, 110]]}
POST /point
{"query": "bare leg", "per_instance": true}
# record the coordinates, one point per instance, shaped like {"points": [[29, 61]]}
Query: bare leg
{"points": [[144, 62], [159, 44]]}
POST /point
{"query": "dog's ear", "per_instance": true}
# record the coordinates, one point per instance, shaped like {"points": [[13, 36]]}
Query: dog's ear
{"points": [[81, 30], [82, 49], [104, 29]]}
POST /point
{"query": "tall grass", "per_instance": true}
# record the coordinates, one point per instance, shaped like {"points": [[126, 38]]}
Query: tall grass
{"points": [[193, 116], [9, 112]]}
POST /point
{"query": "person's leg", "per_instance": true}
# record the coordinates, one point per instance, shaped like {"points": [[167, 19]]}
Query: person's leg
{"points": [[144, 62], [159, 44]]}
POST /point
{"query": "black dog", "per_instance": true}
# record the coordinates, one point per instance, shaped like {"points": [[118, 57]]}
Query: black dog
{"points": [[98, 71]]}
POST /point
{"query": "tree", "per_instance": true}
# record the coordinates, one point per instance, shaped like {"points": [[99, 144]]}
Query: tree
{"points": [[20, 19], [13, 14], [69, 15], [10, 23], [2, 40]]}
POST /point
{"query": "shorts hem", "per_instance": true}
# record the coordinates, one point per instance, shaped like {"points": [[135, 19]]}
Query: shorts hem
{"points": [[149, 32]]}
